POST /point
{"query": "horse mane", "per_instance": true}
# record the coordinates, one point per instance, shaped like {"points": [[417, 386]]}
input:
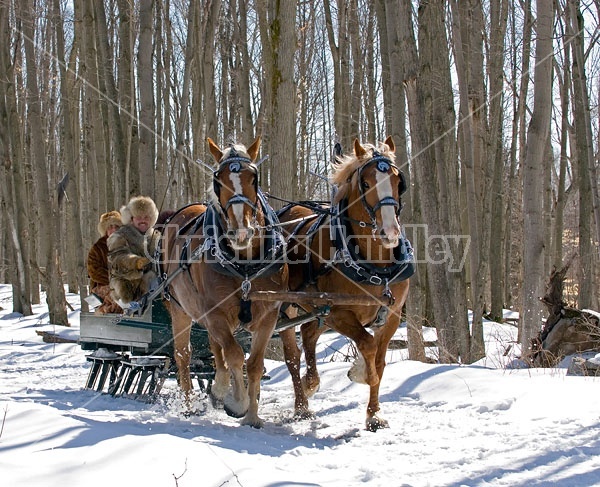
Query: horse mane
{"points": [[345, 168]]}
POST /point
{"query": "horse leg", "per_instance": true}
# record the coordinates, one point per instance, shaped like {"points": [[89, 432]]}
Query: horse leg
{"points": [[363, 371], [310, 335], [220, 385], [291, 354], [255, 366], [382, 338], [235, 401], [181, 324]]}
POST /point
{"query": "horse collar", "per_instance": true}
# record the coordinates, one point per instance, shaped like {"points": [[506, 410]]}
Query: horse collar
{"points": [[223, 261], [359, 269]]}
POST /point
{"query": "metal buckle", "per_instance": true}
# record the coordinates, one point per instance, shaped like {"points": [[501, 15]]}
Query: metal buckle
{"points": [[375, 280]]}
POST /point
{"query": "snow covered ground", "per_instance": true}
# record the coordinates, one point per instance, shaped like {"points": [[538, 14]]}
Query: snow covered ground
{"points": [[479, 425]]}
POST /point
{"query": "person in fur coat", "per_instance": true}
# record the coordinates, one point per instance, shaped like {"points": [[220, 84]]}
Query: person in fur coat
{"points": [[130, 250], [97, 263]]}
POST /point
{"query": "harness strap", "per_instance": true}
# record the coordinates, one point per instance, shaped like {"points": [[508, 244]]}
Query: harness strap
{"points": [[184, 262]]}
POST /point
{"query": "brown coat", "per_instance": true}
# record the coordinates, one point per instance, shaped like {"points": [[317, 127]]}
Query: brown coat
{"points": [[97, 267], [97, 263], [129, 254]]}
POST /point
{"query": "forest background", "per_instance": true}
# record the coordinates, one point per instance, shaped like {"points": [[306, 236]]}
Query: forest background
{"points": [[493, 106]]}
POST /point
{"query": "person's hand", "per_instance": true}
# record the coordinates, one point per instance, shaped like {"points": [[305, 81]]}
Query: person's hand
{"points": [[142, 263]]}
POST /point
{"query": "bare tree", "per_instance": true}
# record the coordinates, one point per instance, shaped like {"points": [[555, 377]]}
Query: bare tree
{"points": [[144, 182], [585, 155], [498, 22], [395, 110], [49, 209], [469, 68], [278, 39], [340, 57], [425, 170], [564, 80], [109, 99], [70, 155], [533, 169], [12, 185]]}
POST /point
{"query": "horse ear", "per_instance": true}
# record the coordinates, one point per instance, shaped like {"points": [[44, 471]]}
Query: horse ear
{"points": [[214, 149], [359, 150], [340, 194], [253, 149], [337, 151], [390, 143]]}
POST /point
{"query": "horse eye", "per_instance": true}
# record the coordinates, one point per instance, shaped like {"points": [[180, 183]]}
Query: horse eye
{"points": [[365, 185]]}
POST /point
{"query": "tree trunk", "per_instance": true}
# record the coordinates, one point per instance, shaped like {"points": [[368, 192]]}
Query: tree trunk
{"points": [[585, 156], [425, 170], [94, 145], [472, 129], [395, 108], [48, 211], [117, 195], [146, 90], [512, 252], [278, 38], [12, 187], [498, 16], [439, 97], [111, 121], [340, 54], [208, 32], [565, 89], [537, 133]]}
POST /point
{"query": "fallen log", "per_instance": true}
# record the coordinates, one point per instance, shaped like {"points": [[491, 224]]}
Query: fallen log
{"points": [[584, 367], [567, 330], [48, 337], [400, 344]]}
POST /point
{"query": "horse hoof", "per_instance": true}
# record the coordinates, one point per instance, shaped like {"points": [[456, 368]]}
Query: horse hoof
{"points": [[234, 412], [358, 371], [303, 414], [309, 388], [216, 403], [375, 423], [253, 422]]}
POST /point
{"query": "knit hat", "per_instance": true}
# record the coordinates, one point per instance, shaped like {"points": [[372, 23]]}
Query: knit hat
{"points": [[139, 206], [108, 219]]}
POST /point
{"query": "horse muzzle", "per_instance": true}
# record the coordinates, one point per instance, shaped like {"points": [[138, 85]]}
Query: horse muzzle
{"points": [[240, 238], [390, 239]]}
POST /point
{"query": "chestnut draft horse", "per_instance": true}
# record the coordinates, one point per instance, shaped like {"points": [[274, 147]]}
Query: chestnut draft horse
{"points": [[220, 252], [356, 248]]}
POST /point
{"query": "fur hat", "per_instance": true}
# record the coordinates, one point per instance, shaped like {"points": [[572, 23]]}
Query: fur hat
{"points": [[108, 219], [139, 206]]}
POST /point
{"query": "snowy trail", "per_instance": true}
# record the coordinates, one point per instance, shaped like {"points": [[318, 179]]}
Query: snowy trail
{"points": [[449, 426]]}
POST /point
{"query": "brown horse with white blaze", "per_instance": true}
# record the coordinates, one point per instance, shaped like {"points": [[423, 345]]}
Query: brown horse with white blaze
{"points": [[226, 248], [356, 247]]}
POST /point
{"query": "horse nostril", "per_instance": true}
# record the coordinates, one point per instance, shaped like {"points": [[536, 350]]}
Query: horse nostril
{"points": [[240, 236]]}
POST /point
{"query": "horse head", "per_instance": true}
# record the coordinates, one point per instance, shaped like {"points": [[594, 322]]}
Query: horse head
{"points": [[235, 191], [372, 185]]}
